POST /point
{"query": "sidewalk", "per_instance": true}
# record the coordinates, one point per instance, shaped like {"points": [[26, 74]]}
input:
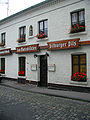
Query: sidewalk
{"points": [[58, 93]]}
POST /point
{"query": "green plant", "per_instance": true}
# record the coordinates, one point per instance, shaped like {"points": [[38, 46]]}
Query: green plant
{"points": [[77, 28], [79, 76]]}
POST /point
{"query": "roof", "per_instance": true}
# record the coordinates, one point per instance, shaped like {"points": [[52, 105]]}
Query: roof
{"points": [[25, 10]]}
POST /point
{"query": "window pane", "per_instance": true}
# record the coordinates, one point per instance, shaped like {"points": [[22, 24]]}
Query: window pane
{"points": [[74, 18], [24, 30], [81, 16], [75, 59], [45, 24], [41, 25], [83, 59], [75, 68], [83, 68], [21, 31], [46, 32]]}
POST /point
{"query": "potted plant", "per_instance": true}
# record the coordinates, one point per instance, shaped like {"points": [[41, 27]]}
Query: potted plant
{"points": [[21, 40], [79, 77], [41, 35], [21, 73], [2, 44], [77, 28]]}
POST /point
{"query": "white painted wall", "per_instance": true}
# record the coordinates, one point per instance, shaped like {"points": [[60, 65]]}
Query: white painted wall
{"points": [[59, 23]]}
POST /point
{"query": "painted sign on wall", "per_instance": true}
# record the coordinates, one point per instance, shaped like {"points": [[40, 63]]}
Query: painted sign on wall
{"points": [[5, 51], [65, 44], [26, 49]]}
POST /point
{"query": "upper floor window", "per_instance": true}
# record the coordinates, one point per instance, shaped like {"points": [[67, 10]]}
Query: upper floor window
{"points": [[43, 28], [3, 38], [31, 30], [78, 21], [22, 34]]}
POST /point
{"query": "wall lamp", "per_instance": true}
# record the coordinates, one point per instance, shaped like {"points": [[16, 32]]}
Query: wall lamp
{"points": [[47, 54], [35, 55]]}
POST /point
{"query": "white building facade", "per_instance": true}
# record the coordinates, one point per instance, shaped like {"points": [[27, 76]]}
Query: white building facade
{"points": [[59, 55]]}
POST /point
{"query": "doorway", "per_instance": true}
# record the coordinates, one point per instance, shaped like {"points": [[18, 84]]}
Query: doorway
{"points": [[43, 71]]}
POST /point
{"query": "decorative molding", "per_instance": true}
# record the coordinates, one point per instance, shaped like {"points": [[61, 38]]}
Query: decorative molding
{"points": [[43, 47], [84, 42]]}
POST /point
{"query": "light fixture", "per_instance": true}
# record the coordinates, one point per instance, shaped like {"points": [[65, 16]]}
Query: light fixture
{"points": [[35, 55]]}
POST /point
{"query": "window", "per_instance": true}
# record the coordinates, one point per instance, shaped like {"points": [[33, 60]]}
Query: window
{"points": [[3, 37], [2, 66], [78, 21], [31, 31], [79, 64], [43, 27], [22, 34], [21, 66]]}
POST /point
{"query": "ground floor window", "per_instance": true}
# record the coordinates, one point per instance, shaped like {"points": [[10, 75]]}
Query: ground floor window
{"points": [[21, 66], [79, 68], [2, 70]]}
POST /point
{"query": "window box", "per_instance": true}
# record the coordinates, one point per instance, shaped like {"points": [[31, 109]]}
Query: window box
{"points": [[77, 28], [21, 73], [21, 40], [2, 44], [79, 77], [42, 35]]}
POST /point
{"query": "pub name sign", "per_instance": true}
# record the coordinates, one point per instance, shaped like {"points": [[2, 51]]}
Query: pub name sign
{"points": [[5, 51], [26, 49], [65, 44]]}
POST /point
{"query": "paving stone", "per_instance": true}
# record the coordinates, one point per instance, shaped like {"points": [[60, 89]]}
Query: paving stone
{"points": [[34, 106]]}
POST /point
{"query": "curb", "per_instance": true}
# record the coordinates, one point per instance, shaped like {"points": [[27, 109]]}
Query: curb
{"points": [[49, 94]]}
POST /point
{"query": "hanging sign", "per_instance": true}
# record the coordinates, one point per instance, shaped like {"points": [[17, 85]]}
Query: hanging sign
{"points": [[65, 44], [5, 51], [29, 48]]}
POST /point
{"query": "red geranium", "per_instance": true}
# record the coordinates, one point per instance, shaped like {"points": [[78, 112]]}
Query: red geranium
{"points": [[21, 72], [79, 76]]}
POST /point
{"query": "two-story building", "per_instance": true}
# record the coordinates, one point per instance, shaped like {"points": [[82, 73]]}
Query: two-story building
{"points": [[48, 44]]}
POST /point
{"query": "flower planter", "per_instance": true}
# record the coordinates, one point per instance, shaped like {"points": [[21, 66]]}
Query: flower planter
{"points": [[79, 77], [41, 36], [77, 28], [21, 40], [2, 44]]}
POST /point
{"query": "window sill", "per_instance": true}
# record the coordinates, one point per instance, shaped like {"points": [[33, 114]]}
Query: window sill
{"points": [[78, 83], [3, 46], [43, 39], [30, 37], [22, 77], [3, 75], [78, 33], [21, 43]]}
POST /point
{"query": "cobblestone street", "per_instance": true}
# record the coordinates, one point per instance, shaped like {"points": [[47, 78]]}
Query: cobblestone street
{"points": [[22, 105]]}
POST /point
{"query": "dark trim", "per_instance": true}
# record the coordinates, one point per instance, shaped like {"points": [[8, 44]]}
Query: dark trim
{"points": [[69, 87], [12, 79]]}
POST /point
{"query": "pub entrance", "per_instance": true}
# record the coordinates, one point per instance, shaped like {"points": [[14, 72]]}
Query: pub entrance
{"points": [[43, 71]]}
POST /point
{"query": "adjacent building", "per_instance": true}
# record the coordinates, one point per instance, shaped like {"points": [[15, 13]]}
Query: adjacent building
{"points": [[48, 44]]}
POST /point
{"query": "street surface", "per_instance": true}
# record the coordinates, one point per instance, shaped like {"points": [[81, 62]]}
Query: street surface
{"points": [[21, 105]]}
